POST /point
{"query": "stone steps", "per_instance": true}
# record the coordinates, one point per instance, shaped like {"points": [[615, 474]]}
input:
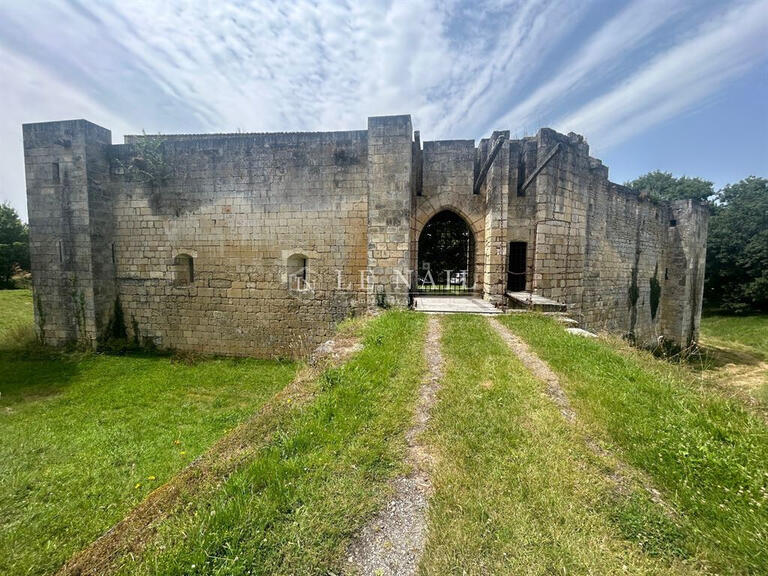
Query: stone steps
{"points": [[530, 301], [454, 305]]}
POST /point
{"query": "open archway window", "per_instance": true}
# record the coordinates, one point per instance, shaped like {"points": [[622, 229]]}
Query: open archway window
{"points": [[297, 269], [446, 254], [183, 270]]}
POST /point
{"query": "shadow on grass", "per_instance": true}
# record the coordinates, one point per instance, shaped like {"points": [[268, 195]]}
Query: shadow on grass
{"points": [[713, 357], [30, 370], [32, 375]]}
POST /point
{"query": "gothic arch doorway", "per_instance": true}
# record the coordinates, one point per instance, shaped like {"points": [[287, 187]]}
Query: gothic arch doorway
{"points": [[446, 255]]}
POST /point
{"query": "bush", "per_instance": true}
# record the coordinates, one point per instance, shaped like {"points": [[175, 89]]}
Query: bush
{"points": [[737, 248], [14, 245]]}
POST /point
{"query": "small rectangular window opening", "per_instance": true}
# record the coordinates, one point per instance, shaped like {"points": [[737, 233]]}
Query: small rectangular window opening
{"points": [[55, 177], [183, 270], [60, 249], [297, 272], [672, 223], [112, 247]]}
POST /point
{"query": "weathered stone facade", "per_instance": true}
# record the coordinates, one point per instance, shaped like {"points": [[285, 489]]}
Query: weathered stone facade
{"points": [[258, 244]]}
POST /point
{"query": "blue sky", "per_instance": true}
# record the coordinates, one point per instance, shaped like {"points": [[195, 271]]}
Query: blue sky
{"points": [[675, 85]]}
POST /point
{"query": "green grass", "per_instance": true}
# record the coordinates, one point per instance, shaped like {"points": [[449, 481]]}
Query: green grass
{"points": [[707, 455], [15, 309], [516, 490], [746, 331], [736, 355], [86, 437], [295, 506]]}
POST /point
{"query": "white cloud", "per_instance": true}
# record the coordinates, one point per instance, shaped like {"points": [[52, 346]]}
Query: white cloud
{"points": [[500, 69], [309, 66], [305, 65], [34, 96], [614, 40], [677, 79]]}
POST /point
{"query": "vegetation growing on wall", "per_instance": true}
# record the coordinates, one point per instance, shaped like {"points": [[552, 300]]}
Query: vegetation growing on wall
{"points": [[115, 336], [78, 306], [148, 163]]}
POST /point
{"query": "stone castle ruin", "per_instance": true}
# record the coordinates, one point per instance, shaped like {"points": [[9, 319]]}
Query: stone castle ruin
{"points": [[259, 244]]}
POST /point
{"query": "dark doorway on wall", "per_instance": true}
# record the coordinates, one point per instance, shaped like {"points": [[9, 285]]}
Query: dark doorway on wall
{"points": [[516, 267], [446, 256]]}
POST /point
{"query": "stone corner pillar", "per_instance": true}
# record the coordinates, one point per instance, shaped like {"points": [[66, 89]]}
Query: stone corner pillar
{"points": [[389, 210], [683, 288], [496, 188], [70, 228]]}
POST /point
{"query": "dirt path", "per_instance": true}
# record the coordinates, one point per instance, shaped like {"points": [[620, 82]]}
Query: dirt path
{"points": [[539, 368], [392, 543], [132, 533], [621, 475]]}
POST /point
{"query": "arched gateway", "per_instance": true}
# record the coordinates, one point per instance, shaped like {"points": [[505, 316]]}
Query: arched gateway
{"points": [[446, 255]]}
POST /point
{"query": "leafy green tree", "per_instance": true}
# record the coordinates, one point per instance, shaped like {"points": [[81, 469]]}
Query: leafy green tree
{"points": [[14, 245], [664, 186], [737, 247]]}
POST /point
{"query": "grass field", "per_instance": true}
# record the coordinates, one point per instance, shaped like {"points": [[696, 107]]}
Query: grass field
{"points": [[86, 437], [15, 309], [293, 509], [736, 355], [517, 491], [749, 332], [706, 453]]}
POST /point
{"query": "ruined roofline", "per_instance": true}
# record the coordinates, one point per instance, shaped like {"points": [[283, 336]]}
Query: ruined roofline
{"points": [[571, 139]]}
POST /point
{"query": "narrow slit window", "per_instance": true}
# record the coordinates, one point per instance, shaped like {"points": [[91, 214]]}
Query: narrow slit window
{"points": [[60, 250], [55, 176]]}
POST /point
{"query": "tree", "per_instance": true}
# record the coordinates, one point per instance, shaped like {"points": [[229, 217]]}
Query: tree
{"points": [[14, 245], [737, 247], [663, 186]]}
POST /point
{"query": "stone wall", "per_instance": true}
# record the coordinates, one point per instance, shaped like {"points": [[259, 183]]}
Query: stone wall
{"points": [[620, 261], [242, 206], [389, 209], [202, 240]]}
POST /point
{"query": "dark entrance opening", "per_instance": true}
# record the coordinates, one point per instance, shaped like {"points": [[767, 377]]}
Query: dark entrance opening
{"points": [[516, 268], [446, 256]]}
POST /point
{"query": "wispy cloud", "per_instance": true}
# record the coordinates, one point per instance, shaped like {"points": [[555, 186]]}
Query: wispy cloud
{"points": [[460, 68], [606, 48], [678, 79], [36, 96], [305, 65], [515, 53]]}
